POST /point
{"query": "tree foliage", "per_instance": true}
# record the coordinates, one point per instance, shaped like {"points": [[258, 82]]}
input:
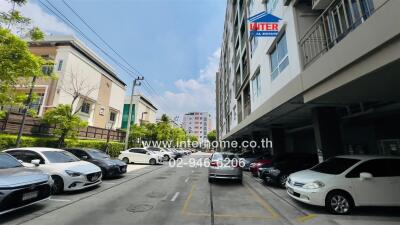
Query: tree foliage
{"points": [[212, 136], [67, 123]]}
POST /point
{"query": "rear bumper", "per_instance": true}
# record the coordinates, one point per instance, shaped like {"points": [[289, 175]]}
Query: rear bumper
{"points": [[225, 176]]}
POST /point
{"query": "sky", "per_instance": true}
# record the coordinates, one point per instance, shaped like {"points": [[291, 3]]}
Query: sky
{"points": [[174, 44]]}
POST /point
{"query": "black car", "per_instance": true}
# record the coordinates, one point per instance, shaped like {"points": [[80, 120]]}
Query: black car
{"points": [[284, 165], [109, 167]]}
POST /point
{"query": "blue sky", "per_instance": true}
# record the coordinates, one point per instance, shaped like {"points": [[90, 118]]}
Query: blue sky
{"points": [[173, 43]]}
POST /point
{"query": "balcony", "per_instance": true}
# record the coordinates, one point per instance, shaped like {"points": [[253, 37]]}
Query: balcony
{"points": [[334, 24]]}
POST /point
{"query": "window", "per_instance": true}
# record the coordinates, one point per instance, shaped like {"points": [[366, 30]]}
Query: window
{"points": [[253, 44], [85, 107], [279, 57], [271, 5], [60, 64], [335, 165], [377, 167], [113, 115], [60, 156], [256, 86]]}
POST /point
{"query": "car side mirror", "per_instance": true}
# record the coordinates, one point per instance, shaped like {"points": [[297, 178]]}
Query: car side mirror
{"points": [[36, 162], [366, 176], [148, 153]]}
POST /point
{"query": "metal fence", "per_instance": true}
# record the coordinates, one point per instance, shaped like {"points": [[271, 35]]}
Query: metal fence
{"points": [[335, 22], [33, 126]]}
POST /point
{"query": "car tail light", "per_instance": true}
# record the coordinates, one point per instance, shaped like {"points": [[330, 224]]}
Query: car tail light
{"points": [[214, 164]]}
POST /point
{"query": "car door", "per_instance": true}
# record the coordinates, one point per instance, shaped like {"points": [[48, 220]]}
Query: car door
{"points": [[134, 156], [380, 190]]}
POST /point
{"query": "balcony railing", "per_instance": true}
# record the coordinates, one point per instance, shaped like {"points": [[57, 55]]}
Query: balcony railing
{"points": [[337, 20]]}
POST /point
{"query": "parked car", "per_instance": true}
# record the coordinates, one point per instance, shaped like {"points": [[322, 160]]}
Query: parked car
{"points": [[68, 172], [224, 165], [249, 157], [344, 182], [109, 167], [140, 155], [165, 153], [178, 154], [280, 169], [265, 160], [20, 186]]}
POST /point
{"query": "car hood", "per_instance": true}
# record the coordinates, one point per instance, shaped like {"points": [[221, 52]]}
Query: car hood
{"points": [[306, 176], [19, 176], [79, 166], [116, 162]]}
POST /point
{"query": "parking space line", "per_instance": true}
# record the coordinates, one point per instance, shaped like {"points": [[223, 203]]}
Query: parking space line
{"points": [[175, 196], [187, 201], [231, 215], [262, 202], [307, 217], [109, 183], [59, 200], [187, 179]]}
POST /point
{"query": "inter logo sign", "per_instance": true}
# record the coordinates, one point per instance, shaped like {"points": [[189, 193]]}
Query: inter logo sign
{"points": [[264, 25]]}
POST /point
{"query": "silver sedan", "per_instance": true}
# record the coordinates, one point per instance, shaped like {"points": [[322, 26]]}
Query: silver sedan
{"points": [[224, 165]]}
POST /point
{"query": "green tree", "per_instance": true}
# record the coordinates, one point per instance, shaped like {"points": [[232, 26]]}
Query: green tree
{"points": [[17, 65], [178, 135], [66, 121], [165, 118], [212, 136]]}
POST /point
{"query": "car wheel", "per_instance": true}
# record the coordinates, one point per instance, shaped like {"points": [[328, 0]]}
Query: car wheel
{"points": [[166, 158], [339, 202], [58, 185], [125, 160], [152, 162], [282, 180]]}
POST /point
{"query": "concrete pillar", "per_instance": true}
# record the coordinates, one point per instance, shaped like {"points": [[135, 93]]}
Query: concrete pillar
{"points": [[326, 124], [277, 136]]}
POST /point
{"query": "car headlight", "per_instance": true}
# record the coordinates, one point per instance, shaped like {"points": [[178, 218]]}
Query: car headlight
{"points": [[314, 185], [73, 173]]}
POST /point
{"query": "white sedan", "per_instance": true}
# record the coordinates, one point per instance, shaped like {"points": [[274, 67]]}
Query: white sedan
{"points": [[67, 171], [343, 182], [140, 155]]}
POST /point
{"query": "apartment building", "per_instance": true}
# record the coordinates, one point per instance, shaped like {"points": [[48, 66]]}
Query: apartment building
{"points": [[143, 111], [197, 123], [78, 70], [326, 83]]}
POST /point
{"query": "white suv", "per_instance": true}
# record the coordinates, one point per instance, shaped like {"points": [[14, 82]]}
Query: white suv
{"points": [[140, 155], [342, 182]]}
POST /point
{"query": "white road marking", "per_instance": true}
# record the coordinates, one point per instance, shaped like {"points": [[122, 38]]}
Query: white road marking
{"points": [[187, 179], [175, 196], [59, 200], [109, 183]]}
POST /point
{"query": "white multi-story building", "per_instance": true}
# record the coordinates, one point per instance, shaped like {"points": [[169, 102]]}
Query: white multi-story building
{"points": [[197, 123], [78, 70], [323, 84]]}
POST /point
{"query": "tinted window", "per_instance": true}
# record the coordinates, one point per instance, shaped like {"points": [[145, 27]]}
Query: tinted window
{"points": [[335, 165], [7, 161], [377, 167], [28, 156], [222, 156], [98, 154], [60, 156]]}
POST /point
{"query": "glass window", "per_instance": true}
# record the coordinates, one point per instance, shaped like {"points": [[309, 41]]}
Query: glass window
{"points": [[271, 5], [60, 156], [256, 86], [60, 64], [98, 154], [7, 161], [85, 107], [279, 57], [378, 168], [112, 116], [28, 156], [335, 165]]}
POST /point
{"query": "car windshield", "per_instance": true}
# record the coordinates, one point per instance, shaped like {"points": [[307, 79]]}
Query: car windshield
{"points": [[223, 156], [335, 165], [60, 156], [98, 154], [7, 161]]}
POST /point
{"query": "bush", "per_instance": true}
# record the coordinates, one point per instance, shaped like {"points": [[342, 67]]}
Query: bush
{"points": [[8, 141]]}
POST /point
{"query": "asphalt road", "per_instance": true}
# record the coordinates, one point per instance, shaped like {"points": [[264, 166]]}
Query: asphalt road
{"points": [[164, 195]]}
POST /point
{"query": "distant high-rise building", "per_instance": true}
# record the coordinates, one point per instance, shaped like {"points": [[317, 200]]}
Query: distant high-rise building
{"points": [[197, 123]]}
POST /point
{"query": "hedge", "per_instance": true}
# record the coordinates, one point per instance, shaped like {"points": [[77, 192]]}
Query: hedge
{"points": [[8, 141]]}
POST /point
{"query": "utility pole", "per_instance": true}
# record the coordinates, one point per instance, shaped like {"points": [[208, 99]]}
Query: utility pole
{"points": [[136, 82], [28, 102]]}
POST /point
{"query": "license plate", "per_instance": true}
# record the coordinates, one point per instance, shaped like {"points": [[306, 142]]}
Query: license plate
{"points": [[290, 190], [29, 195]]}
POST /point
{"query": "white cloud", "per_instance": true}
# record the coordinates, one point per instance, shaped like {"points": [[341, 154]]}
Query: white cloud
{"points": [[197, 94], [46, 22]]}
